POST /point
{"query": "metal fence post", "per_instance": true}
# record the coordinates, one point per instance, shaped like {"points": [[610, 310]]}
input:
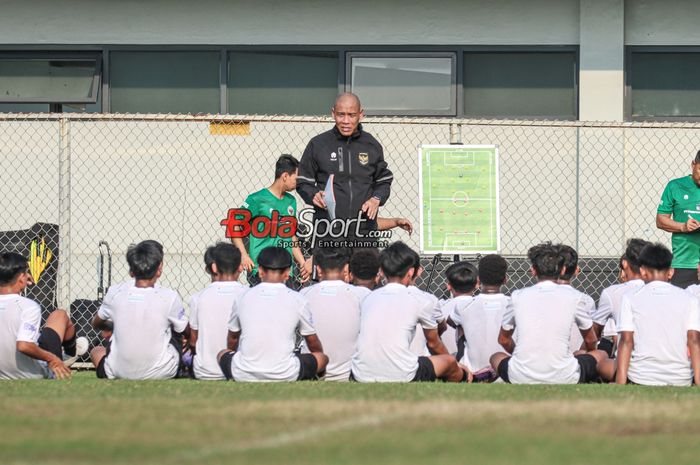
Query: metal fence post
{"points": [[64, 215]]}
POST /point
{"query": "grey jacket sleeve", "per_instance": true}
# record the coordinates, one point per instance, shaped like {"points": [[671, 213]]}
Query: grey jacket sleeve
{"points": [[306, 180], [382, 180]]}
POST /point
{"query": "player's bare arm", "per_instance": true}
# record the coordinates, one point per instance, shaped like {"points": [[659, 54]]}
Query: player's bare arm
{"points": [[55, 364], [624, 353], [434, 343], [590, 340], [694, 351], [246, 261], [505, 338], [232, 340]]}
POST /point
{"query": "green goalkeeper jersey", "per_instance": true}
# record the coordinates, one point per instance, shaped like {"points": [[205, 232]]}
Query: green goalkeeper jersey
{"points": [[681, 199], [263, 203]]}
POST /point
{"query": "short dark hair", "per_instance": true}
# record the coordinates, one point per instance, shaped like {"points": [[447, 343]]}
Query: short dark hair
{"points": [[285, 164], [226, 256], [492, 270], [545, 260], [364, 263], [396, 260], [144, 258], [697, 157], [461, 276], [331, 258], [569, 258], [656, 256], [11, 265], [274, 258], [633, 251]]}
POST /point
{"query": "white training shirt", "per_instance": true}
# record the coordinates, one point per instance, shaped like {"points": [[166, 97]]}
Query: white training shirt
{"points": [[140, 347], [20, 321], [388, 322], [418, 344], [335, 309], [210, 312], [660, 316], [480, 318], [576, 340], [610, 304], [543, 315], [694, 289], [267, 317]]}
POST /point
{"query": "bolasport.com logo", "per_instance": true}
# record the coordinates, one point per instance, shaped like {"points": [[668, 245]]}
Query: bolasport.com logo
{"points": [[350, 232]]}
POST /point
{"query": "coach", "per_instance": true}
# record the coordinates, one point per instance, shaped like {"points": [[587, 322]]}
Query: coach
{"points": [[361, 182], [679, 214]]}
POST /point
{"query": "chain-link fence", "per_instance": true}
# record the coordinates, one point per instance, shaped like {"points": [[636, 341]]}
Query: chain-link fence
{"points": [[69, 182]]}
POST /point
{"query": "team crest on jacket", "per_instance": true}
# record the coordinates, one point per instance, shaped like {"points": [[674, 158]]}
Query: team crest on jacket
{"points": [[363, 158]]}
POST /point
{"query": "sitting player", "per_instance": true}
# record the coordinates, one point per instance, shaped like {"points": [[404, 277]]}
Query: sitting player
{"points": [[659, 327], [419, 343], [26, 351], [144, 317], [570, 270], [263, 326], [478, 318], [388, 323], [543, 315], [210, 309], [364, 268], [608, 314], [335, 309]]}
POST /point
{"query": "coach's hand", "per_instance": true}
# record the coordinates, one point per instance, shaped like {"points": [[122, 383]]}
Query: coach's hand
{"points": [[319, 200], [371, 207], [691, 225]]}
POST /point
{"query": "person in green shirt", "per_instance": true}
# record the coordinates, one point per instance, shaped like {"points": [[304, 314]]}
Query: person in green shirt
{"points": [[679, 214], [264, 202]]}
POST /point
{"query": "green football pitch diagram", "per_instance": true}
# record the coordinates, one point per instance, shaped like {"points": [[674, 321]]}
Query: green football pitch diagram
{"points": [[459, 199]]}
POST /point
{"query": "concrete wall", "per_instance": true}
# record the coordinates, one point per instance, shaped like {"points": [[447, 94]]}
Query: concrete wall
{"points": [[388, 22]]}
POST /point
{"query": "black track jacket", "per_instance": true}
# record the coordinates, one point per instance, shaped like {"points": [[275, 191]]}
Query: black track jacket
{"points": [[356, 161]]}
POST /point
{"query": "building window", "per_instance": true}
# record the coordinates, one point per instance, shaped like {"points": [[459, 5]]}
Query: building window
{"points": [[282, 83], [164, 82], [403, 83], [520, 85], [663, 84], [32, 81]]}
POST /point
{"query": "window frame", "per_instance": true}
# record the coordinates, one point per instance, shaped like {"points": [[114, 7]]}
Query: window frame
{"points": [[629, 50], [44, 55], [523, 49], [452, 55]]}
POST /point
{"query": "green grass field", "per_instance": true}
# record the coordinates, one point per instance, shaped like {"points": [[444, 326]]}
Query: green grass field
{"points": [[89, 421], [459, 200]]}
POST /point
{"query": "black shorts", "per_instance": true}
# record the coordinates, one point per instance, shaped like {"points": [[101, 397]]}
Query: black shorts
{"points": [[308, 366], [502, 370], [225, 364], [425, 372], [50, 341], [606, 345], [684, 277], [587, 368]]}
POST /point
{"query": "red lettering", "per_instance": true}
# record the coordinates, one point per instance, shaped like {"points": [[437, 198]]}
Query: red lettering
{"points": [[261, 221], [287, 227], [237, 223]]}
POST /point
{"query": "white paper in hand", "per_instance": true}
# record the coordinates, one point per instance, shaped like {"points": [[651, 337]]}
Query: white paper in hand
{"points": [[329, 197]]}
